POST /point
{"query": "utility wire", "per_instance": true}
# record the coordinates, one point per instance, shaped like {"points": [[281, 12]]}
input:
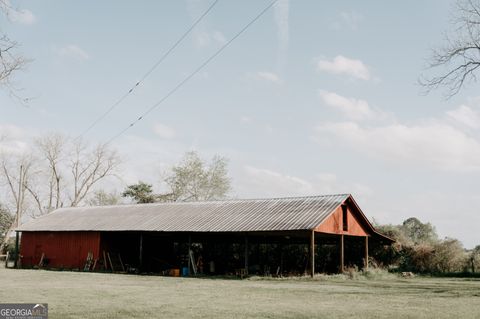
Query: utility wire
{"points": [[163, 57], [198, 69]]}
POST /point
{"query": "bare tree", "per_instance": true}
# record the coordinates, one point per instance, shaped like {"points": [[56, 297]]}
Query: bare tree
{"points": [[88, 167], [63, 172], [16, 177], [52, 147], [459, 59], [11, 61]]}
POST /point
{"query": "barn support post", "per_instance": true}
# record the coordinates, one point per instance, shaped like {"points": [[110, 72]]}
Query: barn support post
{"points": [[342, 254], [246, 255], [188, 254], [366, 252], [140, 253], [312, 253], [15, 262]]}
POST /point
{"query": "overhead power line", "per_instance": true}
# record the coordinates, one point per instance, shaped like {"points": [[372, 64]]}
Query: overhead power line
{"points": [[198, 69], [162, 58]]}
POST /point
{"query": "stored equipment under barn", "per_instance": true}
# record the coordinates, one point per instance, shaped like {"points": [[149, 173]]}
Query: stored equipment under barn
{"points": [[259, 236]]}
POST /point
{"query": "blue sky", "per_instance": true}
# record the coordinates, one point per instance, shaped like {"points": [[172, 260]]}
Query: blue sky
{"points": [[315, 97]]}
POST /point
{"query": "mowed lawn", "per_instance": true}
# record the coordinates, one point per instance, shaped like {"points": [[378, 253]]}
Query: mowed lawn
{"points": [[95, 295]]}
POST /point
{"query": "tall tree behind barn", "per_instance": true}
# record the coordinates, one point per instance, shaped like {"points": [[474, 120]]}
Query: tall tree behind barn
{"points": [[194, 179]]}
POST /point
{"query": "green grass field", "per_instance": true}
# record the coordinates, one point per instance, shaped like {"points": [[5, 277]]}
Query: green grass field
{"points": [[95, 295]]}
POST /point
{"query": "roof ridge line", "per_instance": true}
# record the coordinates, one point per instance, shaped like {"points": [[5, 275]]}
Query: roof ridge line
{"points": [[209, 201]]}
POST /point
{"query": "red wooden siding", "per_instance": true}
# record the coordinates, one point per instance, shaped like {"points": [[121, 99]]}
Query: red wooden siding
{"points": [[334, 225], [62, 249]]}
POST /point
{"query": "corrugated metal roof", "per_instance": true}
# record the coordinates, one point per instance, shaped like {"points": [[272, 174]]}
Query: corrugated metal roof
{"points": [[243, 215]]}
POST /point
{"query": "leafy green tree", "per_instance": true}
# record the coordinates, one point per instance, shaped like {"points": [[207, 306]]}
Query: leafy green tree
{"points": [[141, 193], [194, 179], [449, 256], [475, 259], [419, 232], [102, 198]]}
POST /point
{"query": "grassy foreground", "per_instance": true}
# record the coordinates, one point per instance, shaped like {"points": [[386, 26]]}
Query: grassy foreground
{"points": [[94, 295]]}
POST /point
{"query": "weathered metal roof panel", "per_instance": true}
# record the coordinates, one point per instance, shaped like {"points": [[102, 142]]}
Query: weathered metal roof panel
{"points": [[243, 215]]}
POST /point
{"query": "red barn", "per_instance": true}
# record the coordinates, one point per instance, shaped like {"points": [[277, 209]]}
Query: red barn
{"points": [[225, 235]]}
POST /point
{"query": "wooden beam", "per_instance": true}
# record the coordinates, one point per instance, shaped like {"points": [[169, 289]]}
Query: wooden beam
{"points": [[188, 254], [366, 252], [312, 253], [15, 261], [246, 255], [140, 254], [342, 255]]}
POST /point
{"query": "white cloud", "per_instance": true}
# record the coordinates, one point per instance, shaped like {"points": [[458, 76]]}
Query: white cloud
{"points": [[205, 38], [270, 77], [432, 144], [13, 139], [348, 19], [72, 51], [265, 182], [219, 37], [164, 131], [355, 109], [281, 16], [246, 119], [202, 35], [261, 182], [21, 16], [342, 65], [465, 115]]}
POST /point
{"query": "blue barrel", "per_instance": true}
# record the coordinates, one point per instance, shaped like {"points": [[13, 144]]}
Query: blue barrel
{"points": [[185, 272]]}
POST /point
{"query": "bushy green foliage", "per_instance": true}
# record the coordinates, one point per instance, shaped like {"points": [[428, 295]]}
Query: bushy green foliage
{"points": [[418, 232], [194, 179], [418, 249], [102, 198], [474, 259], [142, 193]]}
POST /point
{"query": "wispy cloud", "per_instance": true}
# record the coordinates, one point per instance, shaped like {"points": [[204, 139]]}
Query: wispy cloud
{"points": [[262, 182], [21, 16], [263, 77], [13, 139], [347, 19], [202, 35], [430, 144], [246, 119], [72, 51], [465, 115], [164, 131], [270, 77], [206, 38], [345, 66], [355, 109]]}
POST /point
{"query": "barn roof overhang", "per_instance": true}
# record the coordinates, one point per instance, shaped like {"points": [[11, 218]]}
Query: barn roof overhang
{"points": [[279, 216]]}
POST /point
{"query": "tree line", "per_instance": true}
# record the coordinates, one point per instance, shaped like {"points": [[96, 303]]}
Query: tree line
{"points": [[419, 249]]}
